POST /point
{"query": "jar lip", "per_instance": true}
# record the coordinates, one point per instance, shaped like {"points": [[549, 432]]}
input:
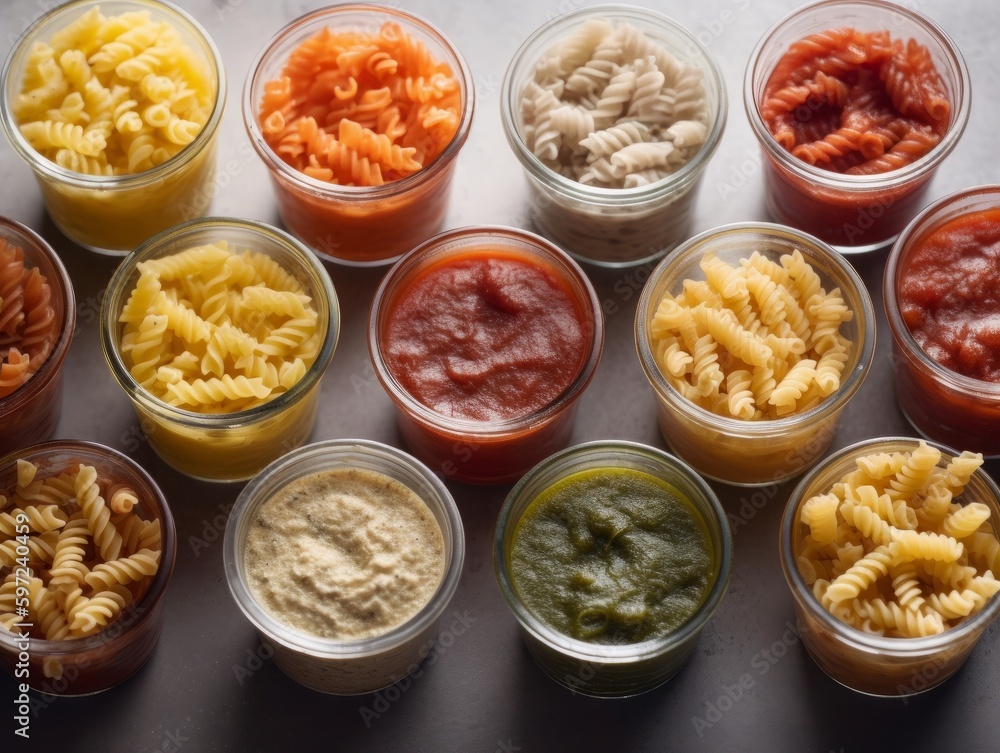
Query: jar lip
{"points": [[615, 654], [110, 327], [797, 584], [848, 386], [877, 181], [613, 196], [67, 329], [356, 193], [91, 450], [562, 262], [250, 499], [919, 226], [52, 170]]}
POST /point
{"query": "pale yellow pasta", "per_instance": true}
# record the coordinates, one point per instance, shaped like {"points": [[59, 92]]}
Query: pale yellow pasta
{"points": [[216, 330], [820, 514], [100, 96], [84, 571], [908, 559], [750, 320]]}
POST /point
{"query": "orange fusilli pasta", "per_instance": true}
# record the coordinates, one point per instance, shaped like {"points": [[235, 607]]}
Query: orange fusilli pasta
{"points": [[361, 109], [28, 326]]}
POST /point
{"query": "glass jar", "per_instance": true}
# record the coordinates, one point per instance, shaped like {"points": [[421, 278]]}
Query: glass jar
{"points": [[346, 667], [225, 446], [749, 452], [114, 214], [612, 227], [612, 671], [30, 413], [940, 403], [873, 664], [489, 451], [358, 225], [91, 664], [853, 213]]}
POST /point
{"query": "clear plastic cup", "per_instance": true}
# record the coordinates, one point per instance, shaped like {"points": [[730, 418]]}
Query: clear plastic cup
{"points": [[30, 413], [225, 446], [612, 227], [346, 667], [358, 225], [853, 213], [873, 664], [494, 451], [114, 214], [940, 403], [732, 450], [83, 666], [612, 671]]}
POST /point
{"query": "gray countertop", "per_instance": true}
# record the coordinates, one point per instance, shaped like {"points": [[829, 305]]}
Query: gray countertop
{"points": [[206, 689]]}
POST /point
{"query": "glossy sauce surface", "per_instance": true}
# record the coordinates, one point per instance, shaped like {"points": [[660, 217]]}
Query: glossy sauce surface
{"points": [[485, 336], [949, 294]]}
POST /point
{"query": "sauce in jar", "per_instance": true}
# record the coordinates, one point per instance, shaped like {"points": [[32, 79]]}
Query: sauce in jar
{"points": [[613, 556], [485, 336], [949, 294]]}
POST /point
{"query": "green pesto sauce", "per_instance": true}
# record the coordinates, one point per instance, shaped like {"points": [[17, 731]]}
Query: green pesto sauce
{"points": [[612, 556]]}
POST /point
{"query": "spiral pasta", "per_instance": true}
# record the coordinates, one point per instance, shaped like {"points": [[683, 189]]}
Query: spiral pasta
{"points": [[771, 324], [87, 562], [358, 108], [610, 107], [883, 566], [216, 330], [113, 95], [856, 102], [28, 326]]}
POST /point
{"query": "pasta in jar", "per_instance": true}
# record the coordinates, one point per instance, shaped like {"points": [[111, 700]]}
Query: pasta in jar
{"points": [[81, 562], [892, 550], [113, 95], [29, 327], [215, 330], [756, 341]]}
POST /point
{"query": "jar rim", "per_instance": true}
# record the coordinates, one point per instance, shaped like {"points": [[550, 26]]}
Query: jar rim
{"points": [[926, 221], [46, 167], [832, 403], [448, 243], [803, 592], [324, 189], [250, 500], [115, 296], [615, 654], [669, 184], [878, 181]]}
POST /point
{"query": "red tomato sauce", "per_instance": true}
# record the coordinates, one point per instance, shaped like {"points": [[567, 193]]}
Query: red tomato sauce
{"points": [[949, 294], [486, 336]]}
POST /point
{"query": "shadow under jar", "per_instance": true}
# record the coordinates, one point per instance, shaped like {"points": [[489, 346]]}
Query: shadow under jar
{"points": [[112, 214], [345, 666], [97, 662], [30, 412], [485, 338], [224, 444], [616, 494], [613, 163], [850, 205], [942, 280], [755, 451], [869, 663], [352, 218]]}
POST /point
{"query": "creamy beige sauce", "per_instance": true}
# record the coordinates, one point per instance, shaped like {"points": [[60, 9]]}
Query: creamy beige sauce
{"points": [[344, 554]]}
